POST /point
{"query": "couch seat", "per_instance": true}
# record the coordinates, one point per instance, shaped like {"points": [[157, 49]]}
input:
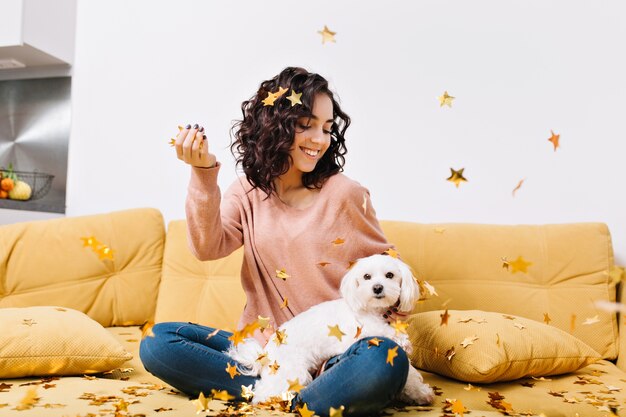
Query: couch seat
{"points": [[588, 392]]}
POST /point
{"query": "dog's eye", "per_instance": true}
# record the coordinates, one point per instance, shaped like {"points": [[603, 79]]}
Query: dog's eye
{"points": [[367, 276], [389, 275]]}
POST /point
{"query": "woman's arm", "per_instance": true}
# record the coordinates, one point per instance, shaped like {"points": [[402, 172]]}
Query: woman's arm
{"points": [[214, 226]]}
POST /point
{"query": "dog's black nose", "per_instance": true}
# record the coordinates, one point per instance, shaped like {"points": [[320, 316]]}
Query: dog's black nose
{"points": [[378, 288]]}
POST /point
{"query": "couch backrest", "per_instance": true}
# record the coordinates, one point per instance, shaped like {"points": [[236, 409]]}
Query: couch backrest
{"points": [[568, 274], [47, 263], [207, 293]]}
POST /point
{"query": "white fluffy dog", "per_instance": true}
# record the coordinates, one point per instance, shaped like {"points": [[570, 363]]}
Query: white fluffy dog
{"points": [[371, 287]]}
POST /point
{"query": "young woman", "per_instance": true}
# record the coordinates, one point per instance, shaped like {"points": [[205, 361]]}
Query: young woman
{"points": [[301, 223]]}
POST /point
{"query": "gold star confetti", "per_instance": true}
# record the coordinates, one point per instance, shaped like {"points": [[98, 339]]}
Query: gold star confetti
{"points": [[121, 406], [263, 359], [272, 97], [232, 370], [90, 241], [572, 322], [518, 186], [323, 264], [280, 337], [445, 99], [274, 368], [519, 326], [282, 274], [246, 392], [294, 98], [146, 330], [29, 400], [336, 412], [374, 342], [358, 332], [506, 316], [392, 252], [444, 318], [172, 142], [469, 341], [431, 290], [497, 340], [351, 264], [294, 385], [221, 395], [591, 320], [391, 354], [264, 322], [104, 252], [285, 303], [201, 403], [327, 35], [28, 322], [338, 241], [450, 353], [470, 387], [457, 177], [519, 265], [248, 330], [546, 318], [400, 326], [458, 408], [335, 331], [555, 140]]}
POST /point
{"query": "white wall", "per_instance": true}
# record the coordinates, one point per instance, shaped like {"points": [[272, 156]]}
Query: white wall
{"points": [[518, 70]]}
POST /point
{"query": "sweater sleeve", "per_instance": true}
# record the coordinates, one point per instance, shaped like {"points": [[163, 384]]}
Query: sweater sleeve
{"points": [[214, 226]]}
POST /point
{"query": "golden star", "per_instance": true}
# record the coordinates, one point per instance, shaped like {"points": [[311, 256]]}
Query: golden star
{"points": [[554, 139], [221, 395], [232, 370], [374, 342], [304, 411], [246, 392], [392, 252], [327, 35], [280, 338], [457, 177], [400, 326], [444, 318], [270, 99], [263, 359], [338, 241], [445, 99], [282, 274], [519, 265], [359, 329], [294, 98], [201, 403], [90, 241], [237, 337], [336, 412], [458, 408], [546, 318], [469, 341], [391, 354], [172, 142], [285, 303], [294, 385], [104, 252], [263, 322], [335, 331], [274, 368]]}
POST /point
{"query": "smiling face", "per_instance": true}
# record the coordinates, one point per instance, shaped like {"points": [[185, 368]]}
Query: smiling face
{"points": [[312, 137]]}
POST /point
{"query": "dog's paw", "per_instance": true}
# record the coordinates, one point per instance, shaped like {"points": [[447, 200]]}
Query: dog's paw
{"points": [[420, 394]]}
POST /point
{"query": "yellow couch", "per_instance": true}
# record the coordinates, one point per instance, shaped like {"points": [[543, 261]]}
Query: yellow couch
{"points": [[148, 275]]}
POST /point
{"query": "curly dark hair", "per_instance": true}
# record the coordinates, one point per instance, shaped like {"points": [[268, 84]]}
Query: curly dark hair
{"points": [[263, 138]]}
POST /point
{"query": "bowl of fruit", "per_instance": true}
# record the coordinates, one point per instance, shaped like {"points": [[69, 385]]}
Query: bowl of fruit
{"points": [[23, 185]]}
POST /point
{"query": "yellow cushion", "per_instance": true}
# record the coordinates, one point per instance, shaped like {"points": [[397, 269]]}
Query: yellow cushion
{"points": [[46, 263], [51, 340], [207, 293], [569, 272], [485, 347]]}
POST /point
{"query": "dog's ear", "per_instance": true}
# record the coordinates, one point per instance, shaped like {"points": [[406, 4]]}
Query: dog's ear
{"points": [[348, 288], [410, 290]]}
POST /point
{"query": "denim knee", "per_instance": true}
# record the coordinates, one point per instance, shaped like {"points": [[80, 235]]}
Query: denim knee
{"points": [[149, 347], [390, 377]]}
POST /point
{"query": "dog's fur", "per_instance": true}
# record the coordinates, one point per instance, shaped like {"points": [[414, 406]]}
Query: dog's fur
{"points": [[371, 287]]}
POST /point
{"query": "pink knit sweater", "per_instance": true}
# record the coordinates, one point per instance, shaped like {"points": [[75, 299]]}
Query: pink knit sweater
{"points": [[313, 247]]}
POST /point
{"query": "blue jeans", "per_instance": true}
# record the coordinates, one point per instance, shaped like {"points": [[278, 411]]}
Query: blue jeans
{"points": [[360, 379]]}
